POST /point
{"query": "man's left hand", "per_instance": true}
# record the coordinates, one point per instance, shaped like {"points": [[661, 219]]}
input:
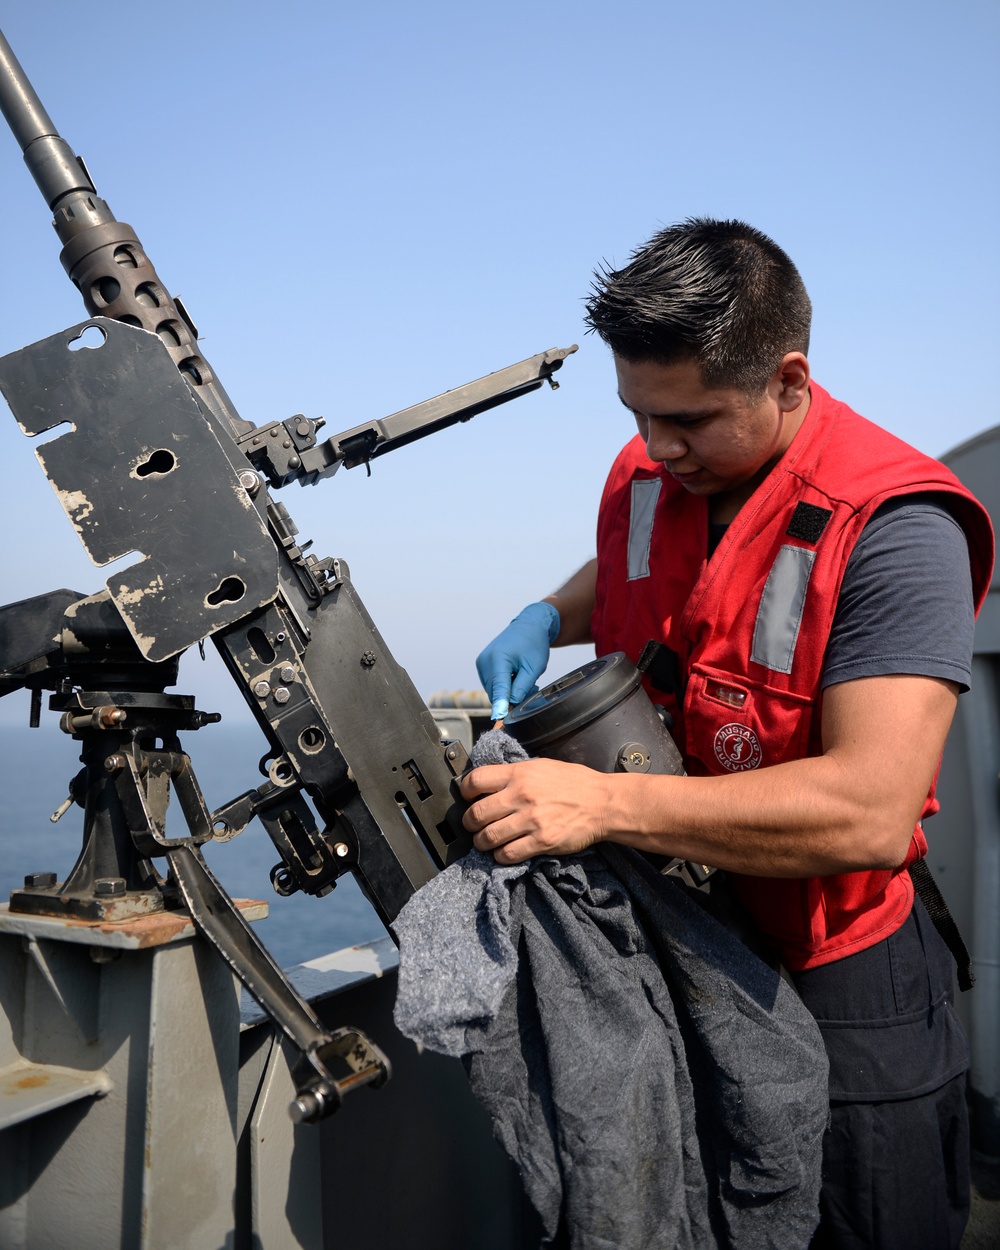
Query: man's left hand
{"points": [[538, 807]]}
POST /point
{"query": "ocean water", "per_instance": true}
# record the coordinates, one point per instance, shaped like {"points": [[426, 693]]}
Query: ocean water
{"points": [[36, 766]]}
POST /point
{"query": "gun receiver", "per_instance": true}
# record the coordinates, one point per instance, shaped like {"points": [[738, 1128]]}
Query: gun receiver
{"points": [[159, 461]]}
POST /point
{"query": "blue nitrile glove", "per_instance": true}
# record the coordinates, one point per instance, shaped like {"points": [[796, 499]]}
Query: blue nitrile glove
{"points": [[512, 662]]}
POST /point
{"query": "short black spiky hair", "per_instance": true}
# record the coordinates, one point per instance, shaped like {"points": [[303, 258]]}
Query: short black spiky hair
{"points": [[717, 292]]}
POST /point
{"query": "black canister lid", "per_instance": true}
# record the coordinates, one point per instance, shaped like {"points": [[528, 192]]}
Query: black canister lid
{"points": [[573, 701]]}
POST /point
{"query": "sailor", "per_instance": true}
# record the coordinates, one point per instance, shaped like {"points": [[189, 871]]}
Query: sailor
{"points": [[810, 583]]}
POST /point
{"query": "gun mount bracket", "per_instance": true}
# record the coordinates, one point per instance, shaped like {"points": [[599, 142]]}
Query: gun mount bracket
{"points": [[142, 469]]}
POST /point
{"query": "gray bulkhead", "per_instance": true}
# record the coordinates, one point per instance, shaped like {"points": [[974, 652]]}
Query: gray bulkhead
{"points": [[964, 838]]}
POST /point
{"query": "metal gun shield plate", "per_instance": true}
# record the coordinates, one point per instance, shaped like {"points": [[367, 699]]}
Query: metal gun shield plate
{"points": [[141, 469]]}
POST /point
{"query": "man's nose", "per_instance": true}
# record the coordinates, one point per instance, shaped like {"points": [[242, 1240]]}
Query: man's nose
{"points": [[663, 443]]}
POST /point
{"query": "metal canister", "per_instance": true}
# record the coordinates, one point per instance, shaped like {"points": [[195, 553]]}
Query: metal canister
{"points": [[598, 715]]}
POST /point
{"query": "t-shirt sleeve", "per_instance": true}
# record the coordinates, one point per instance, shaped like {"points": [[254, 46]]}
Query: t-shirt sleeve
{"points": [[906, 601]]}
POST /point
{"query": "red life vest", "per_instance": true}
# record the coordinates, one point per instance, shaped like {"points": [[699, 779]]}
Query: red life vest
{"points": [[750, 627]]}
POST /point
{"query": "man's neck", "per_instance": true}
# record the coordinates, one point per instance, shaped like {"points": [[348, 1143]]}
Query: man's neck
{"points": [[722, 508]]}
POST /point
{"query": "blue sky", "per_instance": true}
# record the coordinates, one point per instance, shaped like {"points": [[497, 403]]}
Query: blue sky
{"points": [[363, 206]]}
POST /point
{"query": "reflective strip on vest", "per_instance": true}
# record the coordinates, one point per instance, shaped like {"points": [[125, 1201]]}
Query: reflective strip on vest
{"points": [[780, 613], [645, 493]]}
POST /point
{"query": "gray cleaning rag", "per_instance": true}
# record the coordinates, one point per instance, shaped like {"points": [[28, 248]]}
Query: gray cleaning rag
{"points": [[659, 1086]]}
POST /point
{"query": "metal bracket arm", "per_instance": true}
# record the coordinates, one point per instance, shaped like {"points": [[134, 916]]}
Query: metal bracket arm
{"points": [[319, 1091], [142, 782], [287, 451]]}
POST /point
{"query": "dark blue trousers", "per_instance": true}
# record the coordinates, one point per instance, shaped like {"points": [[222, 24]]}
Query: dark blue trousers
{"points": [[896, 1153]]}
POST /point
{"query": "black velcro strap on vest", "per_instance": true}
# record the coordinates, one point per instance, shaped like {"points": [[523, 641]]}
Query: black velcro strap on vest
{"points": [[932, 898], [808, 522], [662, 666]]}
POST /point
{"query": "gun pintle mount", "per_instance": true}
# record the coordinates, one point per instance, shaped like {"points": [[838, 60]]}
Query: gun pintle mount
{"points": [[158, 461]]}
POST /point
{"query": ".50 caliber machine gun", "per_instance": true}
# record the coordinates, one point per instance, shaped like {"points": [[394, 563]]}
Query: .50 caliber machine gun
{"points": [[157, 461]]}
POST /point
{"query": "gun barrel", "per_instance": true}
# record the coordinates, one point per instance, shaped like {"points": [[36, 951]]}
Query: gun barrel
{"points": [[102, 255], [54, 165]]}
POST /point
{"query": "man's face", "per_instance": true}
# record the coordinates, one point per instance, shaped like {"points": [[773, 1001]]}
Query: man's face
{"points": [[714, 441]]}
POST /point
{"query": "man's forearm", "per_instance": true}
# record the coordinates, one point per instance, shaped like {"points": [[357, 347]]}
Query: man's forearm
{"points": [[799, 819], [574, 601], [852, 808]]}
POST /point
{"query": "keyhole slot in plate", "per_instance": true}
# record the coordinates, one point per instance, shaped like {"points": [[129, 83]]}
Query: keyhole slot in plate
{"points": [[159, 463], [90, 337], [229, 590]]}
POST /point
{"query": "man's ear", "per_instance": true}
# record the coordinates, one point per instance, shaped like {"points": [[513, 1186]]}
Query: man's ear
{"points": [[791, 380]]}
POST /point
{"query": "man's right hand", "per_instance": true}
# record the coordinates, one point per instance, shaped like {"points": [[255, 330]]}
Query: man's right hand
{"points": [[515, 659]]}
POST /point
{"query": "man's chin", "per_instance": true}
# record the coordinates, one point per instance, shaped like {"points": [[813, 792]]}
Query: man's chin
{"points": [[699, 483]]}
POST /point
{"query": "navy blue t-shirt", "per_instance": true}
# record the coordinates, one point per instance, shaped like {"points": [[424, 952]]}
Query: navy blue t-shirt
{"points": [[905, 603]]}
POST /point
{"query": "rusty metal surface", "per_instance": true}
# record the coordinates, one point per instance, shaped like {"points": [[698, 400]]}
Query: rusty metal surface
{"points": [[136, 934], [128, 905], [29, 1089]]}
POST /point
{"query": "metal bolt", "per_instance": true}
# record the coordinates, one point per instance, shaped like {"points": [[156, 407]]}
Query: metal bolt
{"points": [[256, 441], [286, 443], [634, 758], [287, 673], [280, 637], [303, 429], [305, 1108], [40, 880], [114, 763], [452, 753], [281, 695], [341, 850], [368, 658], [294, 462], [274, 432], [262, 689], [109, 887], [250, 482]]}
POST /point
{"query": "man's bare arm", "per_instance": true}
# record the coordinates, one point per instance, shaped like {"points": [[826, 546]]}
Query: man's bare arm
{"points": [[574, 601], [853, 807]]}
